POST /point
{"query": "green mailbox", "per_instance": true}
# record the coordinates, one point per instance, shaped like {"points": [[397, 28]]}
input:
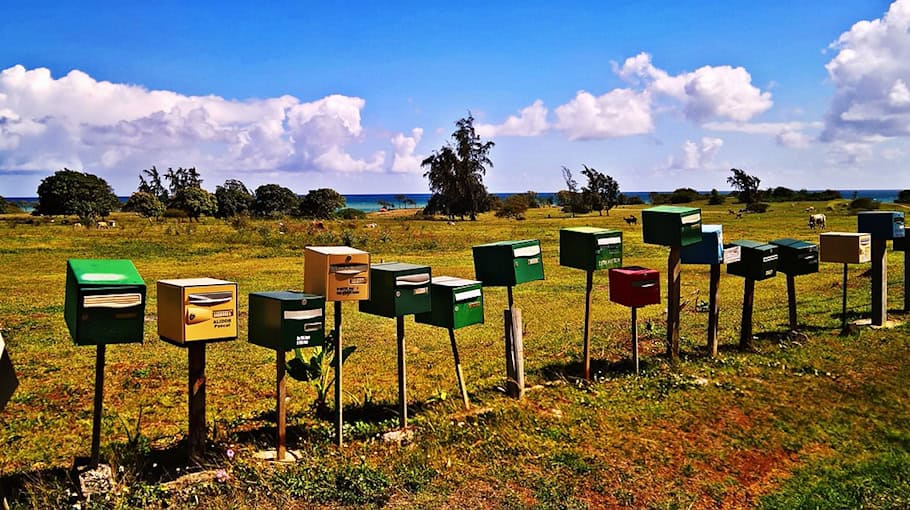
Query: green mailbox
{"points": [[456, 303], [758, 261], [398, 289], [508, 263], [590, 248], [105, 301], [286, 320], [670, 225], [796, 257]]}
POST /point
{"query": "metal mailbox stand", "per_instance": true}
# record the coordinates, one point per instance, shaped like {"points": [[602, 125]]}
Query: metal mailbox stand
{"points": [[281, 408], [339, 431], [635, 338], [879, 281], [458, 373], [589, 287], [515, 365], [402, 376], [673, 292], [745, 332], [99, 403], [713, 309], [843, 311]]}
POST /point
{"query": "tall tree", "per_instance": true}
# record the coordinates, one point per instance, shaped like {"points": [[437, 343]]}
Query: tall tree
{"points": [[195, 201], [146, 204], [82, 194], [182, 178], [455, 172], [153, 185], [321, 203], [233, 199], [571, 200], [273, 200], [746, 184], [602, 191]]}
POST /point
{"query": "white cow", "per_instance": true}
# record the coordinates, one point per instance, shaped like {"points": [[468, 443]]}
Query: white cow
{"points": [[817, 221]]}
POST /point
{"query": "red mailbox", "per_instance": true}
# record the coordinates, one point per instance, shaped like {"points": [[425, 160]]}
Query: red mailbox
{"points": [[635, 286]]}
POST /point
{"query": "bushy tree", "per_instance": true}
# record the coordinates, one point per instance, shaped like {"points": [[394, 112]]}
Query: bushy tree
{"points": [[746, 185], [153, 185], [903, 197], [233, 199], [514, 206], [571, 199], [82, 194], [455, 173], [181, 179], [145, 204], [195, 202], [321, 203], [272, 200], [716, 198], [602, 192]]}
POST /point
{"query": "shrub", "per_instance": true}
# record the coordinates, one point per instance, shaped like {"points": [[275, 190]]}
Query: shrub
{"points": [[514, 206], [716, 198], [903, 197], [757, 207], [349, 213], [864, 204]]}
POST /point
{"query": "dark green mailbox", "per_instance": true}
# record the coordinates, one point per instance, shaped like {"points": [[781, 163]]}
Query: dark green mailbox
{"points": [[795, 257], [590, 248], [758, 261], [457, 303], [105, 301], [670, 225], [286, 320], [900, 243], [398, 289], [508, 263]]}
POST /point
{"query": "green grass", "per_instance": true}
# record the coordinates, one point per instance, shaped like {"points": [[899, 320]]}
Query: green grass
{"points": [[812, 421]]}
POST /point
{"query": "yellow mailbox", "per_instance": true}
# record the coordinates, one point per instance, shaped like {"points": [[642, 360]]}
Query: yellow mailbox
{"points": [[197, 310], [340, 273]]}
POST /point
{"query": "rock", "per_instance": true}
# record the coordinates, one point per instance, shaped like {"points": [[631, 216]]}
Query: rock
{"points": [[99, 480], [401, 436]]}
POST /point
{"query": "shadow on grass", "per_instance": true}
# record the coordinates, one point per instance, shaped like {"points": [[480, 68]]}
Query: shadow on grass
{"points": [[573, 370]]}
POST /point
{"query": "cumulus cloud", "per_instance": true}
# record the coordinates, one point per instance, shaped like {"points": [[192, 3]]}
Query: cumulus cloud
{"points": [[80, 122], [870, 72], [620, 112], [787, 134], [530, 121], [404, 159], [696, 155]]}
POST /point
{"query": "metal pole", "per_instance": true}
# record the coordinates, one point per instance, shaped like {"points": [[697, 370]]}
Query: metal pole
{"points": [[879, 282], [99, 401], [402, 378], [339, 435], [745, 333], [197, 381], [713, 309], [635, 338], [458, 374], [843, 313], [589, 286], [673, 291], [791, 302], [281, 407]]}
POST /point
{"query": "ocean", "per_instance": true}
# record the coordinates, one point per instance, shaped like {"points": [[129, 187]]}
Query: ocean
{"points": [[371, 203]]}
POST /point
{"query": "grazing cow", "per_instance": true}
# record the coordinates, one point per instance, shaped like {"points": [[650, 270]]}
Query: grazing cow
{"points": [[102, 225], [731, 212], [810, 209], [631, 220], [370, 225], [318, 225], [817, 221], [77, 225]]}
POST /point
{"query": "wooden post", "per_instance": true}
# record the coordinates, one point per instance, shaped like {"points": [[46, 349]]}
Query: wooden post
{"points": [[879, 282], [713, 309], [635, 338], [518, 352], [907, 280], [281, 408], [843, 309], [673, 291], [745, 333], [589, 287], [339, 435], [197, 432], [98, 408], [402, 378], [458, 374], [791, 302]]}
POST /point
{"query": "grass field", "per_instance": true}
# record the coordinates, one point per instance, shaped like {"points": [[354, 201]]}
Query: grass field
{"points": [[814, 420]]}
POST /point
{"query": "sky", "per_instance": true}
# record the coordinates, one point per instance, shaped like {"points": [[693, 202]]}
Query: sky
{"points": [[354, 95]]}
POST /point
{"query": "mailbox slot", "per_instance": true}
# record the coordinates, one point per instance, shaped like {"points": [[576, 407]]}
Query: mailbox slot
{"points": [[112, 300]]}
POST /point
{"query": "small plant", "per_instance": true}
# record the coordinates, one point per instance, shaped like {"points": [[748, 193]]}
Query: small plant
{"points": [[319, 370]]}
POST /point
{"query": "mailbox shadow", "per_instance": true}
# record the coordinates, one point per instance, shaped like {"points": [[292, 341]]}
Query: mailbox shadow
{"points": [[573, 370], [14, 487]]}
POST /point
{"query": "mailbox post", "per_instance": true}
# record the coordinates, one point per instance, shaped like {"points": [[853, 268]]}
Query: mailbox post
{"points": [[340, 273], [105, 304], [506, 264], [589, 249], [634, 287], [191, 313], [675, 227], [455, 303], [758, 261], [845, 248], [283, 321], [900, 244], [710, 251], [883, 226], [398, 289], [795, 258], [8, 381]]}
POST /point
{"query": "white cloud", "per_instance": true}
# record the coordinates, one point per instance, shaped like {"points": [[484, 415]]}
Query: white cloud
{"points": [[870, 72], [793, 139], [620, 112], [531, 121], [405, 160], [787, 134], [696, 155], [80, 122]]}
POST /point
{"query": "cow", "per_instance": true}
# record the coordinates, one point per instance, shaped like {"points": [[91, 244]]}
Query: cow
{"points": [[631, 220], [102, 225], [810, 209], [817, 221]]}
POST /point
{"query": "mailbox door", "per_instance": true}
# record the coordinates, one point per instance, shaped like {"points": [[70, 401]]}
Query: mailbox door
{"points": [[210, 312], [348, 281], [804, 260], [690, 230], [110, 315], [467, 306], [608, 252], [766, 261], [528, 263], [412, 293], [302, 326]]}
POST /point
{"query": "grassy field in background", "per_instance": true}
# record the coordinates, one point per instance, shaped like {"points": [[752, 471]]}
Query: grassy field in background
{"points": [[814, 420]]}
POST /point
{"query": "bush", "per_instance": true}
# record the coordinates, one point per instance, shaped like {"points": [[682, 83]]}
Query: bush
{"points": [[630, 200], [514, 206], [684, 196], [864, 204], [175, 213], [903, 197], [757, 207], [349, 213], [716, 198]]}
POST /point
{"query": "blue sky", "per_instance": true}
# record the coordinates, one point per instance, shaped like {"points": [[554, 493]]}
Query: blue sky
{"points": [[352, 95]]}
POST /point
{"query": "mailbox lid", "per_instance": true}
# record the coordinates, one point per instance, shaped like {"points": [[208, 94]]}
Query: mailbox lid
{"points": [[845, 247], [456, 303], [758, 261], [671, 225], [710, 250], [104, 272], [590, 248], [796, 257], [881, 224], [286, 320], [634, 286]]}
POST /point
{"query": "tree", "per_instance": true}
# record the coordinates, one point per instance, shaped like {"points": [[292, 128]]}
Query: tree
{"points": [[182, 178], [455, 172], [153, 185], [195, 202], [400, 199], [602, 192], [746, 184], [321, 203], [716, 198], [903, 197], [514, 206], [145, 204], [571, 200], [409, 202], [82, 194], [233, 199], [273, 200], [385, 204]]}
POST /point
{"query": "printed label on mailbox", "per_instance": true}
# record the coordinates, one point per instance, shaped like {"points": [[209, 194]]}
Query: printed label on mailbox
{"points": [[210, 313], [769, 258], [690, 219], [604, 241], [732, 254]]}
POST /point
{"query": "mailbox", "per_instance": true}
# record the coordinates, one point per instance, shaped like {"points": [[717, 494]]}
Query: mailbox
{"points": [[508, 263], [881, 224], [795, 257], [590, 248], [634, 286], [709, 251], [900, 243], [758, 261], [105, 302], [456, 303], [845, 247], [286, 320], [669, 225], [398, 289], [8, 381], [197, 310], [339, 273]]}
